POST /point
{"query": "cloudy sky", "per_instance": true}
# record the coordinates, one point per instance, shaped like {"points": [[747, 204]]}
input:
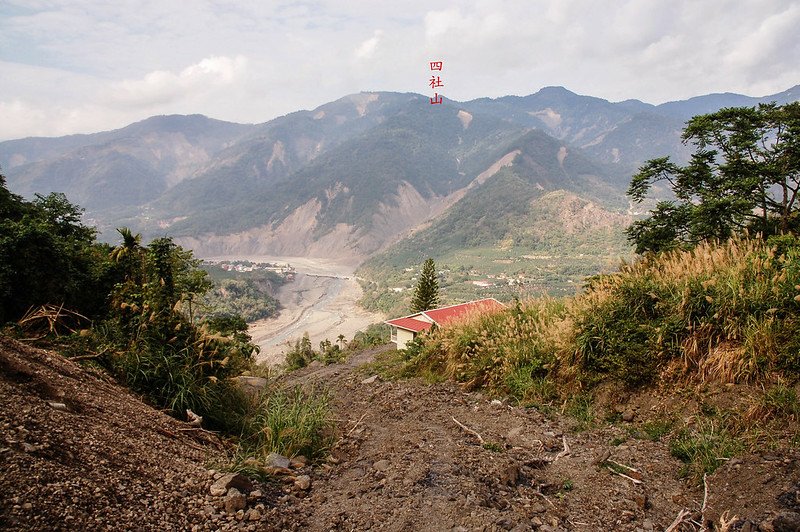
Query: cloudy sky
{"points": [[70, 66]]}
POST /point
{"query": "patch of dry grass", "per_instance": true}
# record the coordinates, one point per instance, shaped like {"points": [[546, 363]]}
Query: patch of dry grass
{"points": [[720, 312]]}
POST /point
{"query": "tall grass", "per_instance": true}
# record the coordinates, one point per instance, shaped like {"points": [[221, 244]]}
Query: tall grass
{"points": [[291, 423], [510, 350], [725, 312]]}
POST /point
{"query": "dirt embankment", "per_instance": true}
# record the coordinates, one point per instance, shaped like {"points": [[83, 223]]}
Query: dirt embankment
{"points": [[77, 451]]}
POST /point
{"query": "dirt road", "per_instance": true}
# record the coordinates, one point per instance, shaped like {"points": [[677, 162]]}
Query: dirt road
{"points": [[417, 456], [322, 301]]}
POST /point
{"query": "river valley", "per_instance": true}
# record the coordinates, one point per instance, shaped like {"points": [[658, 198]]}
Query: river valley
{"points": [[322, 301]]}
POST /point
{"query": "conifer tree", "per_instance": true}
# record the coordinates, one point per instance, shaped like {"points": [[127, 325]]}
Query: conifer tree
{"points": [[426, 295]]}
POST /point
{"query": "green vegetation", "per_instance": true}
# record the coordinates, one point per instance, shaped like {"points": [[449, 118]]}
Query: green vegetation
{"points": [[704, 447], [47, 256], [656, 429], [290, 423], [249, 293], [492, 446], [581, 410], [727, 312], [743, 174], [251, 299], [547, 247], [426, 294], [137, 308], [303, 353], [374, 335]]}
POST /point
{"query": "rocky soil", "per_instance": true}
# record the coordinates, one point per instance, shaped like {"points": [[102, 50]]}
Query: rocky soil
{"points": [[416, 456], [77, 450]]}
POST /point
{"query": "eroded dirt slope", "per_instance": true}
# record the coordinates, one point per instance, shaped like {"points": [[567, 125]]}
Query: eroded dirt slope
{"points": [[80, 452]]}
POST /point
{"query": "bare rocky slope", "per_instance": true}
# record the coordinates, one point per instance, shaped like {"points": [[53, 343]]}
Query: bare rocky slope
{"points": [[79, 451]]}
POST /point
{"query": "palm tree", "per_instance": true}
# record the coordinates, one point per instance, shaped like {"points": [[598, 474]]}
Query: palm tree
{"points": [[131, 244], [129, 250]]}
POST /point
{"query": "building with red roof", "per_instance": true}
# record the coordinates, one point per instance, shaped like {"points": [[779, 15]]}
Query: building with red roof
{"points": [[406, 329]]}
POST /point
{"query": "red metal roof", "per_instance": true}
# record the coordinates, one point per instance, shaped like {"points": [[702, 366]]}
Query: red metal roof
{"points": [[442, 316], [410, 324]]}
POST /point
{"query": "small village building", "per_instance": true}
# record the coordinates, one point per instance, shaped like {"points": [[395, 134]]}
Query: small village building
{"points": [[404, 330]]}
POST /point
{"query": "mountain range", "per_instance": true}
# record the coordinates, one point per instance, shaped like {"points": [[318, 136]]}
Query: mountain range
{"points": [[357, 176]]}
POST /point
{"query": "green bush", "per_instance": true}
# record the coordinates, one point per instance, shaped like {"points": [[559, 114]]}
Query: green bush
{"points": [[301, 354], [374, 335]]}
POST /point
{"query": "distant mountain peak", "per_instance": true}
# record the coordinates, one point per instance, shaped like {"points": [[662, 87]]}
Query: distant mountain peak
{"points": [[555, 89]]}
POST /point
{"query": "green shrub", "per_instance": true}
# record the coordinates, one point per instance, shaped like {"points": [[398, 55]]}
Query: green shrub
{"points": [[704, 447], [301, 354], [374, 335]]}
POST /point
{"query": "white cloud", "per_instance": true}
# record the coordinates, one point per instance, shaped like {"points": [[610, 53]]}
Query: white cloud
{"points": [[367, 48], [768, 42], [160, 87]]}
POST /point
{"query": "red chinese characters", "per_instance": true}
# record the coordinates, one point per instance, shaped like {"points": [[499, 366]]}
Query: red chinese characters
{"points": [[436, 81]]}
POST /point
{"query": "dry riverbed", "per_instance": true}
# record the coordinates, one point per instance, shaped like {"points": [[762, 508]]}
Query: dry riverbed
{"points": [[322, 301]]}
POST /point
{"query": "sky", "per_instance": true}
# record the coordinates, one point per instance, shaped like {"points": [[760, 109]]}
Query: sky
{"points": [[72, 66]]}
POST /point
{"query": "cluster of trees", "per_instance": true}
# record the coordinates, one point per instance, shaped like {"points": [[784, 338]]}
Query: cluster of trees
{"points": [[251, 298], [139, 302], [744, 176], [47, 256], [302, 353]]}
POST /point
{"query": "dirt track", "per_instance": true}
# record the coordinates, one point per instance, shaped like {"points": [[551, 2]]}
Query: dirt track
{"points": [[403, 462], [78, 452]]}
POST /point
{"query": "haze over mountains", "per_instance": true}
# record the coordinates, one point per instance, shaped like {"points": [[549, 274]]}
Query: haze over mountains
{"points": [[356, 175]]}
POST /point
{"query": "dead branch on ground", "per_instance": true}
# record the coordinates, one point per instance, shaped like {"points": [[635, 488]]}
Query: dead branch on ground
{"points": [[468, 430], [679, 519], [623, 475], [565, 452]]}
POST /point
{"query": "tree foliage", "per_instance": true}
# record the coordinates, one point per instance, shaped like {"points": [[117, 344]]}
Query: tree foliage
{"points": [[426, 294], [48, 256], [139, 298], [744, 175]]}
